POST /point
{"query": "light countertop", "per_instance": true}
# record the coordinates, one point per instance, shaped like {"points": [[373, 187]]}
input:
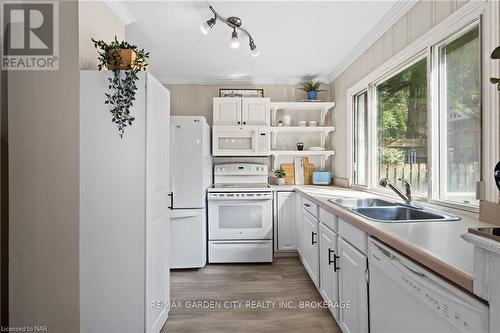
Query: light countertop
{"points": [[436, 245]]}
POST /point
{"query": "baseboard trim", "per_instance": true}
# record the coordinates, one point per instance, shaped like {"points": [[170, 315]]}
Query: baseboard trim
{"points": [[286, 254]]}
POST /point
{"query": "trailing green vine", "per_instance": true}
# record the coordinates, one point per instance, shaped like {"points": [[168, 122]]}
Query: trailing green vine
{"points": [[122, 83]]}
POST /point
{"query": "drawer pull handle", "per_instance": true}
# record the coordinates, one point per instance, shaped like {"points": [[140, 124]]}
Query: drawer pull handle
{"points": [[335, 266], [312, 238], [330, 261], [171, 195]]}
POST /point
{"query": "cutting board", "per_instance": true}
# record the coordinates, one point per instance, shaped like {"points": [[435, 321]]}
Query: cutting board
{"points": [[290, 173], [308, 171], [289, 169], [298, 164]]}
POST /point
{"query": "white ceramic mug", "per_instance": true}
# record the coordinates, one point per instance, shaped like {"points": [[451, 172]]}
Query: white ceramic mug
{"points": [[313, 123], [287, 120], [302, 123]]}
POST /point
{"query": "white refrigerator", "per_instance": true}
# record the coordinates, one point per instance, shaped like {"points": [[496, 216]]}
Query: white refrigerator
{"points": [[191, 176], [124, 215]]}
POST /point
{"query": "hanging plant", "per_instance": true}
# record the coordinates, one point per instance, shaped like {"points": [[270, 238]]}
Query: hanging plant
{"points": [[125, 61], [496, 55]]}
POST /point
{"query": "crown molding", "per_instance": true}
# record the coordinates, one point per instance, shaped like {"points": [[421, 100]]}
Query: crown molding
{"points": [[397, 12], [118, 8], [218, 80]]}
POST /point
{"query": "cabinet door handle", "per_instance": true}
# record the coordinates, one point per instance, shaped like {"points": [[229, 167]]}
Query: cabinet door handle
{"points": [[330, 261], [171, 195], [244, 123], [312, 238], [307, 205], [335, 267]]}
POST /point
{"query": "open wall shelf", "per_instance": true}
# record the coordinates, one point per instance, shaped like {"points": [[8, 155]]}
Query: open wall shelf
{"points": [[322, 107], [323, 154], [323, 131]]}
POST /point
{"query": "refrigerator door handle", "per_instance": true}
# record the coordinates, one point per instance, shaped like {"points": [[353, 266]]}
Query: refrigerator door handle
{"points": [[171, 195]]}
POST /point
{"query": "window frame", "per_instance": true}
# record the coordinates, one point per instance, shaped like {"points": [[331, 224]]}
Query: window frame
{"points": [[368, 138], [439, 70], [395, 71], [428, 46]]}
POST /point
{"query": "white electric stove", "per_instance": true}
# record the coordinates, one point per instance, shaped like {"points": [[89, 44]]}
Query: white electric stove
{"points": [[240, 220]]}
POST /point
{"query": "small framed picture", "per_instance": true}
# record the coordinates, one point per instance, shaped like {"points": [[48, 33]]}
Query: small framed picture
{"points": [[241, 92]]}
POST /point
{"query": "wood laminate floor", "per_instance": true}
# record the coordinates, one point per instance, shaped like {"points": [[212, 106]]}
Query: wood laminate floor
{"points": [[247, 298]]}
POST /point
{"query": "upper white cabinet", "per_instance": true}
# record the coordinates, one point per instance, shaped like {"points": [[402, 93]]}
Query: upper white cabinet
{"points": [[255, 111], [227, 111], [353, 287], [286, 220], [241, 111]]}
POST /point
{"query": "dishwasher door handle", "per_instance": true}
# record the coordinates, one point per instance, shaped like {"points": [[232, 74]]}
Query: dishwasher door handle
{"points": [[171, 195], [411, 269]]}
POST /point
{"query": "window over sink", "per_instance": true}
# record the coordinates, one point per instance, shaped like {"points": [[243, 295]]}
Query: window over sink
{"points": [[420, 119]]}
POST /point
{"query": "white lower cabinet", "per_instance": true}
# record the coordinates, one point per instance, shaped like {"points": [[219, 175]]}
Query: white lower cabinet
{"points": [[286, 221], [353, 288], [328, 259], [332, 252], [299, 222], [309, 243]]}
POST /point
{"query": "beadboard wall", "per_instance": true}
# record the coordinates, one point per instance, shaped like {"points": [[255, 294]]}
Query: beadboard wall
{"points": [[420, 19], [196, 100]]}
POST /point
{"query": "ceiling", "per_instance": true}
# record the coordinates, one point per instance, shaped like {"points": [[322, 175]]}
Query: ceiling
{"points": [[297, 39]]}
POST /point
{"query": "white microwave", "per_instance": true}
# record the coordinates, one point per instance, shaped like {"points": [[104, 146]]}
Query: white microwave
{"points": [[240, 140]]}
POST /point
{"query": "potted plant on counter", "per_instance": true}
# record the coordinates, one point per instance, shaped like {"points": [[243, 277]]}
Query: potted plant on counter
{"points": [[280, 176], [312, 88], [125, 61]]}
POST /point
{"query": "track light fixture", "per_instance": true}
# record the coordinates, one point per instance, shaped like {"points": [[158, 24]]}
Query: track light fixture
{"points": [[234, 23], [206, 26]]}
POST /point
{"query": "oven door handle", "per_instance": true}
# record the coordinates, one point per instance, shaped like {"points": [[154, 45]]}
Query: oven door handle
{"points": [[243, 241], [267, 198]]}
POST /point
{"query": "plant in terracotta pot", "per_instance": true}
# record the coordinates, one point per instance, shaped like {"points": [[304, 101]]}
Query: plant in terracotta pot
{"points": [[312, 88], [125, 61], [280, 176], [496, 55]]}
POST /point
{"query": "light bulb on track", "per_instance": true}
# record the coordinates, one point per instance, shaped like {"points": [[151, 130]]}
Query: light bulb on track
{"points": [[235, 42], [254, 51]]}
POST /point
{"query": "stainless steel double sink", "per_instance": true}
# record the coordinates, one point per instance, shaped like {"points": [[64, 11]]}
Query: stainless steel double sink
{"points": [[380, 210]]}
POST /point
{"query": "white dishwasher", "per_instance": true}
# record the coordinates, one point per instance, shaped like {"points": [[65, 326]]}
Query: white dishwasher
{"points": [[405, 298]]}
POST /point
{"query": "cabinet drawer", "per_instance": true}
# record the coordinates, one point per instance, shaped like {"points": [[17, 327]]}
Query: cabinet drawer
{"points": [[353, 235], [328, 219], [311, 207]]}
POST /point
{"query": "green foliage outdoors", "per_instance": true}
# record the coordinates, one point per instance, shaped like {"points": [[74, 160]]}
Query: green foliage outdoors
{"points": [[402, 99]]}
